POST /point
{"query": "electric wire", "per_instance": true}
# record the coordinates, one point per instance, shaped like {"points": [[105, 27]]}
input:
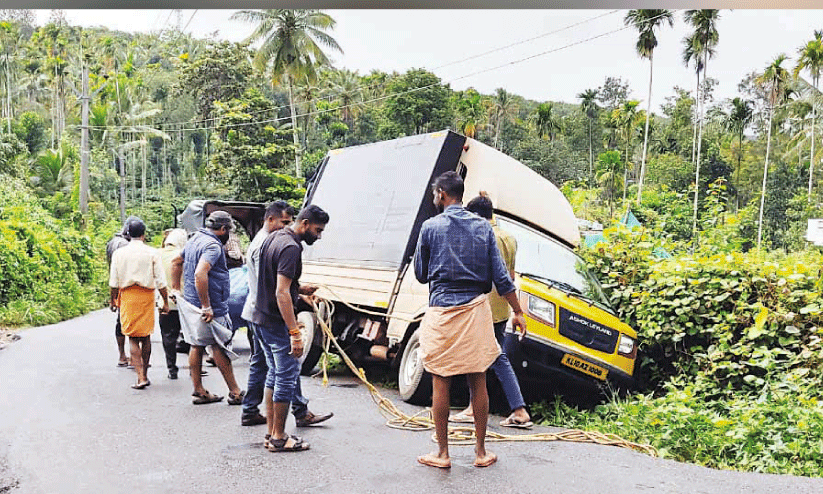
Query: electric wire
{"points": [[370, 87]]}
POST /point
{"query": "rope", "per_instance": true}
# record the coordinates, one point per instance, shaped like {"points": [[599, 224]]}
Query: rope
{"points": [[364, 311], [422, 420]]}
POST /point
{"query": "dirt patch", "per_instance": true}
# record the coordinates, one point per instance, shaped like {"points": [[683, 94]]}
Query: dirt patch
{"points": [[7, 337]]}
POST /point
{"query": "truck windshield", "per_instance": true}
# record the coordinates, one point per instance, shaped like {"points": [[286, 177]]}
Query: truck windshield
{"points": [[546, 258]]}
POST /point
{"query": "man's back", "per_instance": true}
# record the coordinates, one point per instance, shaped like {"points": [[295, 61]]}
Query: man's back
{"points": [[205, 245], [458, 258], [137, 264]]}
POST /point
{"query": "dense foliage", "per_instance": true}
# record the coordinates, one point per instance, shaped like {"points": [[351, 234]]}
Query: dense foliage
{"points": [[727, 306]]}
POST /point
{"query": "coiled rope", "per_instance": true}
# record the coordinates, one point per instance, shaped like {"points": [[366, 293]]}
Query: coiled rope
{"points": [[422, 420]]}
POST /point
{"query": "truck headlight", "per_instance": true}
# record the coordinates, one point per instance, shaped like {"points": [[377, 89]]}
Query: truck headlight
{"points": [[539, 309], [627, 346]]}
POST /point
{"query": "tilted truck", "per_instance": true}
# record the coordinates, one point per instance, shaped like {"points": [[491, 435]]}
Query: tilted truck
{"points": [[378, 195]]}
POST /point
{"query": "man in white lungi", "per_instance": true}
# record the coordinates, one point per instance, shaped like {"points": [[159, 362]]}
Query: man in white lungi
{"points": [[457, 256]]}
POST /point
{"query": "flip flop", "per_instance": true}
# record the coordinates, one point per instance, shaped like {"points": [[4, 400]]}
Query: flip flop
{"points": [[511, 422], [462, 418], [433, 461], [204, 399], [491, 459], [279, 445], [142, 385]]}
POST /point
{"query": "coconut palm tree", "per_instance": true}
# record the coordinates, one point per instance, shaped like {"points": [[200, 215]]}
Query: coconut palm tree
{"points": [[291, 49], [739, 117], [811, 59], [588, 105], [773, 80], [503, 107], [705, 39], [346, 89], [645, 21]]}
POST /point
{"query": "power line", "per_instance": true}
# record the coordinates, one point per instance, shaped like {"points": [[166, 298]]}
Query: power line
{"points": [[409, 91], [375, 86]]}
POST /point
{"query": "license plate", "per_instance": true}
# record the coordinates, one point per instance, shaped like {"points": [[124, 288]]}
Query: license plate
{"points": [[584, 367]]}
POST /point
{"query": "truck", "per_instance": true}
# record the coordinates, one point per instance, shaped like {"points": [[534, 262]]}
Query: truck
{"points": [[378, 195]]}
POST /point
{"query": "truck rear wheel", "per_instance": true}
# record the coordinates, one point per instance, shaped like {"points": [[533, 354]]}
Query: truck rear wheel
{"points": [[414, 383], [312, 342]]}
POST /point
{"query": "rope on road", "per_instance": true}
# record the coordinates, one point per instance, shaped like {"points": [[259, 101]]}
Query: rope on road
{"points": [[422, 420]]}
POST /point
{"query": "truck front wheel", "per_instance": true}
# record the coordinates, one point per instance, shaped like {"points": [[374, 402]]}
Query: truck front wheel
{"points": [[414, 383]]}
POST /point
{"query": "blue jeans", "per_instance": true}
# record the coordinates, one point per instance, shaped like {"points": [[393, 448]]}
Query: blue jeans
{"points": [[269, 362], [505, 373]]}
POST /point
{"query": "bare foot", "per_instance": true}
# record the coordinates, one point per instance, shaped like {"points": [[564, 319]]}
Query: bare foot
{"points": [[485, 460], [434, 460]]}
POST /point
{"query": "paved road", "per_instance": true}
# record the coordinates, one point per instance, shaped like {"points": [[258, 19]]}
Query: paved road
{"points": [[69, 423]]}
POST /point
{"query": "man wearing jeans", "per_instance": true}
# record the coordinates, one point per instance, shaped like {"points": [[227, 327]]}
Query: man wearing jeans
{"points": [[507, 245], [278, 215], [275, 321]]}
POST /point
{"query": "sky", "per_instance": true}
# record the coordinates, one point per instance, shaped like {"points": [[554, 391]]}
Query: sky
{"points": [[556, 54]]}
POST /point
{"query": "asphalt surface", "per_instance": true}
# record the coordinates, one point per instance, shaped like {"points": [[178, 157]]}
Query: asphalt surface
{"points": [[70, 423]]}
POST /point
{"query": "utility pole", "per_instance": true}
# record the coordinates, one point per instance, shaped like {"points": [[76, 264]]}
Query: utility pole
{"points": [[85, 98], [84, 144]]}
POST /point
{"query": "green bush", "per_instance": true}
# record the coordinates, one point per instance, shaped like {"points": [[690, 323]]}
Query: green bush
{"points": [[730, 323], [48, 270], [776, 433]]}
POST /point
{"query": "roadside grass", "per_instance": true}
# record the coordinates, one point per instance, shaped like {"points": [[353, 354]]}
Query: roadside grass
{"points": [[776, 432]]}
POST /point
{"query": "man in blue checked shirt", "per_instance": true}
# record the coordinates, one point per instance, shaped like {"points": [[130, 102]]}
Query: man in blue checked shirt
{"points": [[457, 256]]}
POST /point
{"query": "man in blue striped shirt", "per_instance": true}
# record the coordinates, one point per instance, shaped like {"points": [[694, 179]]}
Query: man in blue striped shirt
{"points": [[457, 256]]}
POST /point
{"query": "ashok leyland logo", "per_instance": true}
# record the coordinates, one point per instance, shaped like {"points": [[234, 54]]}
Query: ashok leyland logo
{"points": [[589, 324]]}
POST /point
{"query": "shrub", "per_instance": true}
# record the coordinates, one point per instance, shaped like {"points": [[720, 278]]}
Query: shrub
{"points": [[48, 270]]}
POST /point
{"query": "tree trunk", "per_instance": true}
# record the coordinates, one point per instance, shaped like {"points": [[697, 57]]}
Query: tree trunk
{"points": [[296, 139], [143, 176], [626, 174], [9, 114], [737, 180], [765, 174], [84, 145], [122, 165], [646, 133], [811, 157], [497, 135], [696, 115], [699, 146], [591, 155]]}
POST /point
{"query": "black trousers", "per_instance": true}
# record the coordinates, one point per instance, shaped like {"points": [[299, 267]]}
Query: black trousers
{"points": [[170, 332]]}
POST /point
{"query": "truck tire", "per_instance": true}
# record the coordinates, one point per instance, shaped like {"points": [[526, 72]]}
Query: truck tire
{"points": [[312, 338], [414, 383]]}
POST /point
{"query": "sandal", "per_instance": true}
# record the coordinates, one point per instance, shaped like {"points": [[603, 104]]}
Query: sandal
{"points": [[462, 418], [279, 445], [236, 399], [512, 422], [204, 399], [142, 385], [122, 363]]}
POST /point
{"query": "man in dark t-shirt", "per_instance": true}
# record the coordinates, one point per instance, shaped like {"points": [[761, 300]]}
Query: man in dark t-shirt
{"points": [[278, 290]]}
